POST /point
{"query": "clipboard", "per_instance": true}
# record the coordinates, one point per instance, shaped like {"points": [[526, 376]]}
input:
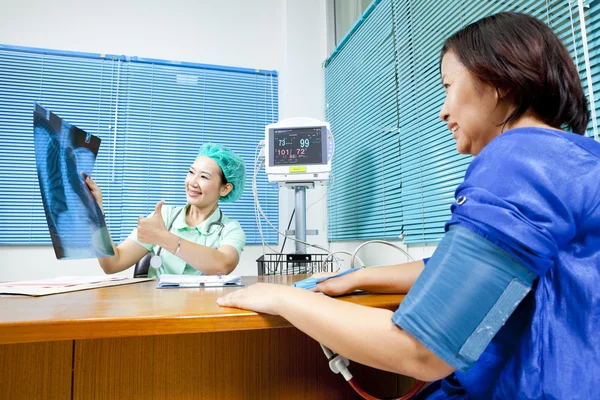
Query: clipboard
{"points": [[168, 281]]}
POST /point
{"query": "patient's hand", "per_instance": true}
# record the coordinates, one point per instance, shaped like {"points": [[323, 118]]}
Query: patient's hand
{"points": [[337, 286], [260, 297]]}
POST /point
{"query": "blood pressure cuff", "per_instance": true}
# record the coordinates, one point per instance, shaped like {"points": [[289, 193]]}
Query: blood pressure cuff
{"points": [[467, 291]]}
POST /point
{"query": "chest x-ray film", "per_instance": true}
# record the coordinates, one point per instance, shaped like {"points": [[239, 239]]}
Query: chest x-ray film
{"points": [[63, 154]]}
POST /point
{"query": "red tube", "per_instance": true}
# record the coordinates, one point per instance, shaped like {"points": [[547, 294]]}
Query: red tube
{"points": [[416, 389]]}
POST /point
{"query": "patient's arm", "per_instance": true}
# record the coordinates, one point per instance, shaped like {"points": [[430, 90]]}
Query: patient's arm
{"points": [[389, 279]]}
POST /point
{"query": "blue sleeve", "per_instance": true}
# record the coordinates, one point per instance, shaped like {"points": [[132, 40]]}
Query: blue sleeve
{"points": [[465, 294], [521, 193]]}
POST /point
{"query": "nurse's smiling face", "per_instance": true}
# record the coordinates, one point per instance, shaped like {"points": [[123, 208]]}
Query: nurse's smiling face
{"points": [[204, 185], [472, 109]]}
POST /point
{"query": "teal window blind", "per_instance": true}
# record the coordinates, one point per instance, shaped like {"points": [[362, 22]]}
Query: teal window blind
{"points": [[396, 166], [361, 97], [152, 117]]}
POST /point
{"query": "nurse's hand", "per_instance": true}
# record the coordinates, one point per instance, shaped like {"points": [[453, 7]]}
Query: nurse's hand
{"points": [[94, 189], [261, 297], [152, 230]]}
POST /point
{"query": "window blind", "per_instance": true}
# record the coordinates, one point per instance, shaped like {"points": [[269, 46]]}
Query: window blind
{"points": [[79, 89], [361, 95], [152, 117], [419, 168]]}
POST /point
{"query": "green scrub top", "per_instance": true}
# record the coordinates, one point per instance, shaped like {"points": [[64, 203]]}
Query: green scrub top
{"points": [[231, 234]]}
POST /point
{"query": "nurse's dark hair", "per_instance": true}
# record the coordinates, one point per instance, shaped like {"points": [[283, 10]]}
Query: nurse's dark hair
{"points": [[522, 58], [223, 179]]}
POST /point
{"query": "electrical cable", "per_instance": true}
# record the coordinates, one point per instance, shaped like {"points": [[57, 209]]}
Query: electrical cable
{"points": [[408, 256], [260, 210], [323, 266], [284, 240], [257, 154]]}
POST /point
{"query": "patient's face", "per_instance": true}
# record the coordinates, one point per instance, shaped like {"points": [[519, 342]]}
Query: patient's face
{"points": [[471, 108], [203, 182]]}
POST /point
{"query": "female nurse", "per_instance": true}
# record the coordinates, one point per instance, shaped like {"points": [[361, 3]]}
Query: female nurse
{"points": [[508, 306], [196, 238]]}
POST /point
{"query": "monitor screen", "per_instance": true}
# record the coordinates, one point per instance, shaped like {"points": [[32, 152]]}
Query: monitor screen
{"points": [[298, 146]]}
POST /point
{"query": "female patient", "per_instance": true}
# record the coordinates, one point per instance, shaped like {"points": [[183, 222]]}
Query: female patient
{"points": [[196, 238], [508, 306]]}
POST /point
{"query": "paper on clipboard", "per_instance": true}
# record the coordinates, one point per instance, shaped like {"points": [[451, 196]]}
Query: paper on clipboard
{"points": [[63, 281], [198, 281]]}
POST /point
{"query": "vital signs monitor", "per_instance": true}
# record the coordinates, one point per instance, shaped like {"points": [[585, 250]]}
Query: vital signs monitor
{"points": [[298, 150]]}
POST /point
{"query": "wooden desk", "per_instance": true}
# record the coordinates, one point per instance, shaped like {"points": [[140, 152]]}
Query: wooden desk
{"points": [[137, 342]]}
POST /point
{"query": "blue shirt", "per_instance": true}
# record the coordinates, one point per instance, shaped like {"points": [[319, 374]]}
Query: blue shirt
{"points": [[536, 193]]}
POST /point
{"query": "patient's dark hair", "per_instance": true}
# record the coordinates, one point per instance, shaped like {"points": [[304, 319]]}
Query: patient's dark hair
{"points": [[522, 57]]}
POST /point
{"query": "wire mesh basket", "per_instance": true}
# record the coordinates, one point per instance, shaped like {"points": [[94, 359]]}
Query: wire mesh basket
{"points": [[292, 264]]}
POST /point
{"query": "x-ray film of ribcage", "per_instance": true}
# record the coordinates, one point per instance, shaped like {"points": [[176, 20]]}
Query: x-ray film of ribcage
{"points": [[63, 154]]}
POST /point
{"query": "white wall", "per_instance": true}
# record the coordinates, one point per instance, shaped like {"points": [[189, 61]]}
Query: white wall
{"points": [[302, 94], [234, 32], [289, 36]]}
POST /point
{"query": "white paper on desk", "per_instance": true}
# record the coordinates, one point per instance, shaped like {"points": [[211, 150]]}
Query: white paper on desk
{"points": [[168, 280], [63, 281], [37, 290]]}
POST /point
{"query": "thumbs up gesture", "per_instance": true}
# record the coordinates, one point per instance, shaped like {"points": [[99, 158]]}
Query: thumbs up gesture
{"points": [[152, 230]]}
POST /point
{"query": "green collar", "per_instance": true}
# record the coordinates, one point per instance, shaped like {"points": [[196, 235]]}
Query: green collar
{"points": [[180, 223]]}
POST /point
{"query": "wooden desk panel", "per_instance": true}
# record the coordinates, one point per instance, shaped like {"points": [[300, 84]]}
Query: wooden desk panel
{"points": [[263, 364], [36, 370]]}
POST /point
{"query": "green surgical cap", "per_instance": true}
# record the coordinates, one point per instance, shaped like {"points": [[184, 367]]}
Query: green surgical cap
{"points": [[231, 164]]}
